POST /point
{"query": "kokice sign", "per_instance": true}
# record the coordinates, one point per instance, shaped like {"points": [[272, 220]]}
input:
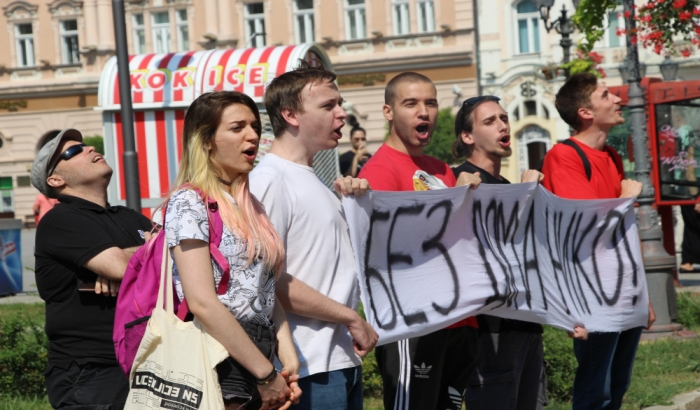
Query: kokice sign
{"points": [[176, 79], [183, 78], [429, 259]]}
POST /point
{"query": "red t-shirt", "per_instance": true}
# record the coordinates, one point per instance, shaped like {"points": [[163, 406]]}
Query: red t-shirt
{"points": [[45, 204], [391, 170], [565, 176]]}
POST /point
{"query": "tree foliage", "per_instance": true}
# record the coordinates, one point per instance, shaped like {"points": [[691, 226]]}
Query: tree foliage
{"points": [[590, 19], [440, 145], [661, 22], [97, 142], [585, 63]]}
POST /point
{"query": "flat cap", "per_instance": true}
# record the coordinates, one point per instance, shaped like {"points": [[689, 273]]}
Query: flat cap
{"points": [[44, 160]]}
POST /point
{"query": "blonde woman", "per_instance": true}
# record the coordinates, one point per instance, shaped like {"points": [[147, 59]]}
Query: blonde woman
{"points": [[220, 140]]}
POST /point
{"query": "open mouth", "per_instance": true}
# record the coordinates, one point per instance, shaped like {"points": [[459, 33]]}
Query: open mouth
{"points": [[250, 152], [338, 133], [422, 130], [504, 141], [97, 158]]}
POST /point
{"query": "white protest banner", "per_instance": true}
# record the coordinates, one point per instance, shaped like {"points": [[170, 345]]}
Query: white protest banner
{"points": [[429, 259]]}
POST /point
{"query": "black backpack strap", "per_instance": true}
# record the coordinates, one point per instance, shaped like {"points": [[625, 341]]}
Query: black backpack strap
{"points": [[617, 166], [584, 158]]}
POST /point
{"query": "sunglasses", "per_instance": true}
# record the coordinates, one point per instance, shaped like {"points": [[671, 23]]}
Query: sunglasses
{"points": [[68, 154], [476, 100]]}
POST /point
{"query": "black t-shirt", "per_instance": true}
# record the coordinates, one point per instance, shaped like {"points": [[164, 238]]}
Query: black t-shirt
{"points": [[79, 324], [493, 324], [345, 162]]}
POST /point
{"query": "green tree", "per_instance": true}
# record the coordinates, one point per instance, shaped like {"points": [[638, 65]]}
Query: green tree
{"points": [[440, 145], [97, 142]]}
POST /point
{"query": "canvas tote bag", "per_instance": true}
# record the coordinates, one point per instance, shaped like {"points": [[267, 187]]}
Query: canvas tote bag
{"points": [[175, 366]]}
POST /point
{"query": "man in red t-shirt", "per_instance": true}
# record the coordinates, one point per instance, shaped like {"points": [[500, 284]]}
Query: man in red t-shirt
{"points": [[604, 360], [428, 372], [42, 205]]}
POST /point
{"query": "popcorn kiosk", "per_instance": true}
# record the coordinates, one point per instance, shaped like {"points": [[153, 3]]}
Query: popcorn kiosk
{"points": [[164, 85], [673, 130]]}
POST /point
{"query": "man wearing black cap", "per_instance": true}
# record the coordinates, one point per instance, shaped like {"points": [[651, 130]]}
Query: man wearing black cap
{"points": [[82, 249]]}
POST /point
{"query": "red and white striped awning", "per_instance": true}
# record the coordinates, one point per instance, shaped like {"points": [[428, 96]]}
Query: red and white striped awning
{"points": [[176, 79]]}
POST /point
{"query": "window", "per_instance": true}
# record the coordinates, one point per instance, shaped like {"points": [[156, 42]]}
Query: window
{"points": [[255, 25], [616, 22], [6, 202], [528, 28], [23, 181], [304, 21], [535, 153], [426, 16], [401, 23], [139, 34], [25, 45], [69, 42], [678, 147], [183, 30], [355, 19], [161, 32], [530, 108]]}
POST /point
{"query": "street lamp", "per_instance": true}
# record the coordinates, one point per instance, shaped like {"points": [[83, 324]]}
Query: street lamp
{"points": [[669, 69], [658, 264], [563, 25], [625, 72]]}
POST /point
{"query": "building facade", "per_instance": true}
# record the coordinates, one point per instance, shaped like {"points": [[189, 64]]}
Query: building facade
{"points": [[517, 56], [57, 50]]}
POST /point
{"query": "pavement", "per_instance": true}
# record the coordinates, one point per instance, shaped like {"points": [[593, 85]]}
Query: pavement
{"points": [[687, 401], [29, 298], [690, 282]]}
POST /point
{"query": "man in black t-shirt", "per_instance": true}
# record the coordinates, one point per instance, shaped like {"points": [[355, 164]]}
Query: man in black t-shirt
{"points": [[509, 366], [83, 246], [351, 162]]}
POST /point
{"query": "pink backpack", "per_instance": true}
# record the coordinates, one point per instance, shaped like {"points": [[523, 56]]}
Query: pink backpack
{"points": [[139, 288]]}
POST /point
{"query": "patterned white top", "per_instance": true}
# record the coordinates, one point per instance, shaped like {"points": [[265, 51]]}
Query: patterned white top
{"points": [[251, 291]]}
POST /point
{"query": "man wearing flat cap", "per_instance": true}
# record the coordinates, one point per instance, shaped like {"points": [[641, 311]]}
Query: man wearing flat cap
{"points": [[83, 246]]}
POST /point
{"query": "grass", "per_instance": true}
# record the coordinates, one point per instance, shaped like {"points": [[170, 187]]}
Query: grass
{"points": [[34, 312], [24, 404]]}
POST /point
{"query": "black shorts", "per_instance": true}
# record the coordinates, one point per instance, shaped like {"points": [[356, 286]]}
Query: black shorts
{"points": [[428, 372], [237, 383]]}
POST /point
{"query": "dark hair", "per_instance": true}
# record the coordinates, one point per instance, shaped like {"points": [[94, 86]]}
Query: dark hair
{"points": [[407, 77], [575, 94], [284, 92], [355, 129], [48, 136], [464, 121]]}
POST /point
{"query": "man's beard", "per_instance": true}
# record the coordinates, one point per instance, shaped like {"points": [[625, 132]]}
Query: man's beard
{"points": [[502, 152]]}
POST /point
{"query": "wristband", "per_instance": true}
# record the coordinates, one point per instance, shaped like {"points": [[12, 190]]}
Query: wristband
{"points": [[269, 378]]}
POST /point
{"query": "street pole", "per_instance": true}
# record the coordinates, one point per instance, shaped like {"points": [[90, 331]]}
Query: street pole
{"points": [[565, 29], [658, 264], [131, 168], [563, 25]]}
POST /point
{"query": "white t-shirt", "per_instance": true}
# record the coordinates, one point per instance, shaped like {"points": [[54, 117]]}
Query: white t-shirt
{"points": [[251, 291], [310, 221]]}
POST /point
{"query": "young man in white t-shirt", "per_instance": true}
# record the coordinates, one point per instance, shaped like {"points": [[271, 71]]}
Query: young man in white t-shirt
{"points": [[320, 291]]}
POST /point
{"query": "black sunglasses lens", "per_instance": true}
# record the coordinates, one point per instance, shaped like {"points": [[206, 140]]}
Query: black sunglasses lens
{"points": [[72, 151]]}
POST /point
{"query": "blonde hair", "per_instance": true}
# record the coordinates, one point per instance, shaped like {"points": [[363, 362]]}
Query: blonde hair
{"points": [[247, 218]]}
